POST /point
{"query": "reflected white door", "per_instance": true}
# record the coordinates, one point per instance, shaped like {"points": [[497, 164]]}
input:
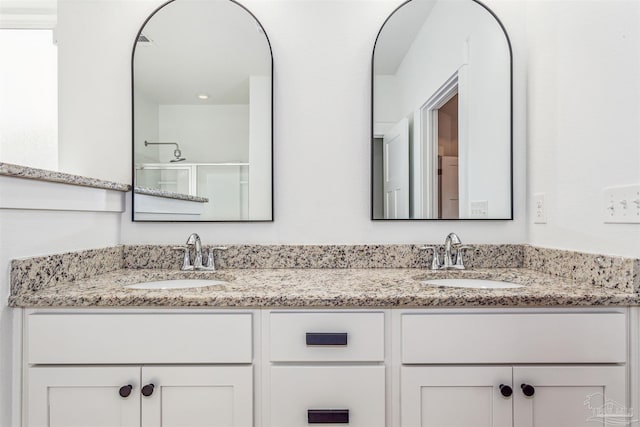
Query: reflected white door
{"points": [[449, 190], [395, 167]]}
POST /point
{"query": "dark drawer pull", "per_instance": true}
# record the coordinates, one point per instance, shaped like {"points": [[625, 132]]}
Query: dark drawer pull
{"points": [[321, 338], [327, 416]]}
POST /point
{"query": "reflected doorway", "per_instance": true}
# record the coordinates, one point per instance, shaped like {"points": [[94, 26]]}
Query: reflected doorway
{"points": [[448, 191]]}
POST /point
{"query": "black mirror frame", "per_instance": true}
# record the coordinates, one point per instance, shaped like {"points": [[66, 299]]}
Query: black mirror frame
{"points": [[371, 141], [133, 167]]}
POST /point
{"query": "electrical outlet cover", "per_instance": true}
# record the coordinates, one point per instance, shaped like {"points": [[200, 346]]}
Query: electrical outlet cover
{"points": [[539, 209]]}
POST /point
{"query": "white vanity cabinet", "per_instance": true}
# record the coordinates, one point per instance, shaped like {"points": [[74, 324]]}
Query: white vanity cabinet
{"points": [[489, 379], [475, 367], [561, 396], [83, 396], [132, 369], [325, 368], [112, 396]]}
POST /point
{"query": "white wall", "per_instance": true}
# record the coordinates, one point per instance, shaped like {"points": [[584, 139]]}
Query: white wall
{"points": [[322, 120], [583, 119], [95, 38], [206, 133], [260, 148], [28, 98], [147, 128], [40, 231]]}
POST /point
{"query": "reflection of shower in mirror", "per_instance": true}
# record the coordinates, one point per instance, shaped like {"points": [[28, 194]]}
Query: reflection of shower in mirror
{"points": [[177, 153]]}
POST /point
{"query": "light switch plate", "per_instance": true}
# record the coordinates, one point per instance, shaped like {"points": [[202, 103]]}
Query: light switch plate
{"points": [[621, 205], [539, 209]]}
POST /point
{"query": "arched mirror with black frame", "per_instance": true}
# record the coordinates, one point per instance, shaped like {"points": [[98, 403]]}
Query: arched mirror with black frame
{"points": [[202, 84], [441, 119]]}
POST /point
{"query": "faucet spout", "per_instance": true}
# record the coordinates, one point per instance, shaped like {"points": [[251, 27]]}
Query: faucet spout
{"points": [[194, 240], [451, 242]]}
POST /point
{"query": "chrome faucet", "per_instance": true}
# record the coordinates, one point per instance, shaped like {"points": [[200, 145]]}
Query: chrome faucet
{"points": [[452, 241], [453, 250], [194, 242]]}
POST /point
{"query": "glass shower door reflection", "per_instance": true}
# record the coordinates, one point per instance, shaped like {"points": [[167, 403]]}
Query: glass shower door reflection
{"points": [[171, 179], [226, 187]]}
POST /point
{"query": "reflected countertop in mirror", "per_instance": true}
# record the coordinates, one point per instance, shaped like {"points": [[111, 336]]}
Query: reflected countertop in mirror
{"points": [[202, 113], [441, 145]]}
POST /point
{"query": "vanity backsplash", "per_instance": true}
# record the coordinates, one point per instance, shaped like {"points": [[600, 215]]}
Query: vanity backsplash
{"points": [[598, 270], [325, 256]]}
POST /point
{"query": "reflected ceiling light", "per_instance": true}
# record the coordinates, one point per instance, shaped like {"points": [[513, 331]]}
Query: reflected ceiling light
{"points": [[203, 96]]}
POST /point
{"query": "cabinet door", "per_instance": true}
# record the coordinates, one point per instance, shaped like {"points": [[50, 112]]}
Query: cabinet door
{"points": [[570, 396], [83, 397], [436, 396], [193, 396]]}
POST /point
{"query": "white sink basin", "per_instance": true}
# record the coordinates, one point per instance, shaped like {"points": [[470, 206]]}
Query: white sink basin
{"points": [[472, 283], [176, 284]]}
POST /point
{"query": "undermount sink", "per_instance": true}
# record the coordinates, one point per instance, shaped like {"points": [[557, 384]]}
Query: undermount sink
{"points": [[472, 283], [177, 284]]}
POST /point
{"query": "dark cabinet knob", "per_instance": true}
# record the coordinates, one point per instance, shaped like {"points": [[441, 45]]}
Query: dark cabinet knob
{"points": [[528, 390], [147, 390], [125, 390], [505, 390]]}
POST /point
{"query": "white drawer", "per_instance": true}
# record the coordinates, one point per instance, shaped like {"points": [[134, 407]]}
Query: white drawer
{"points": [[514, 338], [139, 338], [356, 392], [326, 337]]}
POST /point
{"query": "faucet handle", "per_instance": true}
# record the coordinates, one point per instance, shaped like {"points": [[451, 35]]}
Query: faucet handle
{"points": [[459, 261], [186, 262], [435, 262], [210, 261]]}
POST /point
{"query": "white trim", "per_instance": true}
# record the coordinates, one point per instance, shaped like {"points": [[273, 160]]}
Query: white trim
{"points": [[415, 144], [20, 193], [429, 133], [17, 367], [28, 22], [633, 367], [28, 14], [463, 142]]}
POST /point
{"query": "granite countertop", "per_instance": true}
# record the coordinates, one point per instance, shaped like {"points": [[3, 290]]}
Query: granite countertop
{"points": [[336, 288], [169, 195], [18, 171]]}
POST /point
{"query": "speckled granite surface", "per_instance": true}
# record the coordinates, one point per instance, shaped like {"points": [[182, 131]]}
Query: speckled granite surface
{"points": [[325, 256], [32, 274], [323, 288], [168, 195], [18, 171], [598, 270], [351, 276]]}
